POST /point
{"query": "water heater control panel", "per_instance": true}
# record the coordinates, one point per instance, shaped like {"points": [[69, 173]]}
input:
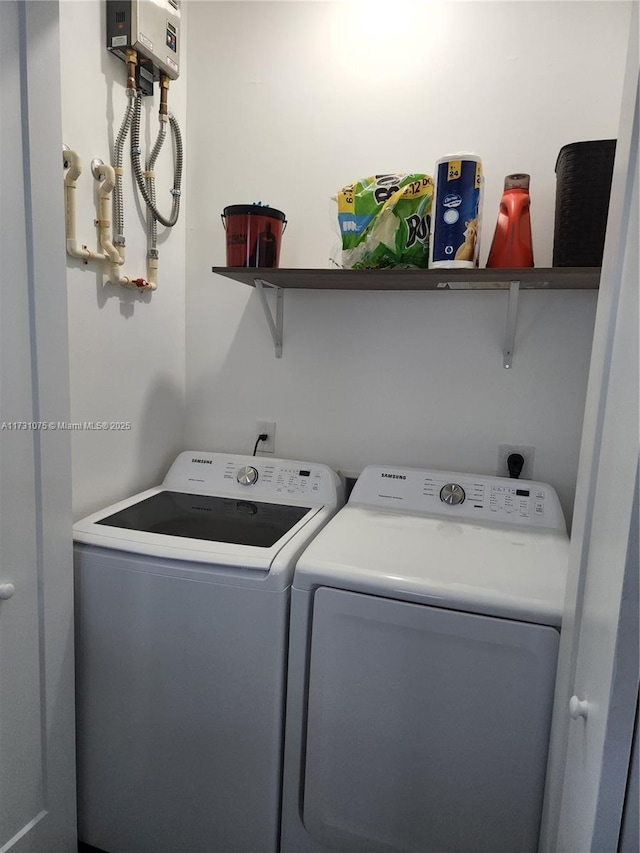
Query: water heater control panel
{"points": [[152, 29]]}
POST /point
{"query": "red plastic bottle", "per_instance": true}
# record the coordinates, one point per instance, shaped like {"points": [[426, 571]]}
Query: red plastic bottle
{"points": [[511, 246]]}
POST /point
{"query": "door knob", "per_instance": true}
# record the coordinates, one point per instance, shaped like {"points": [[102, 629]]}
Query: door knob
{"points": [[578, 708], [6, 591]]}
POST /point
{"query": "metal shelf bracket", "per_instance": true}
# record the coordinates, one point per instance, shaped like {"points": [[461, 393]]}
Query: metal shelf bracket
{"points": [[510, 331], [275, 323]]}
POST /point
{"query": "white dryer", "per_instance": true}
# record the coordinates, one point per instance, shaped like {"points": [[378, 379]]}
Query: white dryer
{"points": [[182, 607], [425, 622]]}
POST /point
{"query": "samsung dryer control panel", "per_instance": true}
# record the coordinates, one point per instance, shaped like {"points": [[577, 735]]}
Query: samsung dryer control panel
{"points": [[465, 496]]}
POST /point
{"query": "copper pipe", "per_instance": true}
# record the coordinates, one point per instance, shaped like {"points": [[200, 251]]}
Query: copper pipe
{"points": [[132, 61], [164, 94]]}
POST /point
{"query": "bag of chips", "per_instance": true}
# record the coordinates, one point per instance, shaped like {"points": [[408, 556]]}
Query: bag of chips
{"points": [[385, 220]]}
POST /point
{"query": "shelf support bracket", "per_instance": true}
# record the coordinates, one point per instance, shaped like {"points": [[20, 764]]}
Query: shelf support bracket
{"points": [[275, 323], [510, 331]]}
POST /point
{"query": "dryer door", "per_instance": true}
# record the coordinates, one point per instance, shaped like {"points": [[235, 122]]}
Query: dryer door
{"points": [[427, 728]]}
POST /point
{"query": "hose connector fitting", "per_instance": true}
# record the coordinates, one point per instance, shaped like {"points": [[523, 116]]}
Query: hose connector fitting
{"points": [[132, 61], [164, 94]]}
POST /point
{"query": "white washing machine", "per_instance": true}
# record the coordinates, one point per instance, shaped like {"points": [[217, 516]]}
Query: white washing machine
{"points": [[425, 622], [182, 609]]}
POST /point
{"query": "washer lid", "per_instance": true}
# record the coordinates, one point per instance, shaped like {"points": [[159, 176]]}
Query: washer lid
{"points": [[209, 511], [210, 518], [500, 570], [160, 523]]}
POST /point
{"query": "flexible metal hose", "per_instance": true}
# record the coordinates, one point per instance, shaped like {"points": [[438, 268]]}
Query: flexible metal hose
{"points": [[152, 223], [137, 169], [118, 153]]}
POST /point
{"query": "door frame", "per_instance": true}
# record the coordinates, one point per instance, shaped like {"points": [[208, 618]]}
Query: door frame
{"points": [[615, 615], [39, 132]]}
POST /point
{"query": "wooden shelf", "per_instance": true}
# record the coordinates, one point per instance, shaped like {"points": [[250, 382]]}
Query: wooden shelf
{"points": [[556, 278], [275, 280]]}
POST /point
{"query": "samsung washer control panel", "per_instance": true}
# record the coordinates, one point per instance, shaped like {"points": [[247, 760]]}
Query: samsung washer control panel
{"points": [[263, 479], [469, 496]]}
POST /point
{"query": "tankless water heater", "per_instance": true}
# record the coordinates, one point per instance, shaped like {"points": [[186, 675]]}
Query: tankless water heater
{"points": [[152, 29]]}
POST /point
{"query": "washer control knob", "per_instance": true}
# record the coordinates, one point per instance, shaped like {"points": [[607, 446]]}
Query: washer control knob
{"points": [[452, 494], [247, 476]]}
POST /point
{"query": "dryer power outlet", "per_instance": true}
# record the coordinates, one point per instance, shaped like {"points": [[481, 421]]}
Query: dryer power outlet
{"points": [[527, 453]]}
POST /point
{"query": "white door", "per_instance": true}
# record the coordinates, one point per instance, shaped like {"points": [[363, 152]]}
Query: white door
{"points": [[37, 781], [598, 665]]}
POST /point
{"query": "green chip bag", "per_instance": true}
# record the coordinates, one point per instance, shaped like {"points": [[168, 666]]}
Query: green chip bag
{"points": [[385, 220]]}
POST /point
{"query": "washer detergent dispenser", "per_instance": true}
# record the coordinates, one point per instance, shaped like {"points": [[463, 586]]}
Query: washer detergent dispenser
{"points": [[425, 623]]}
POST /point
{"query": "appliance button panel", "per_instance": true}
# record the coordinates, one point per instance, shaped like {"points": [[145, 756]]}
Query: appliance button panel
{"points": [[516, 500], [298, 481], [282, 480], [461, 496], [507, 499]]}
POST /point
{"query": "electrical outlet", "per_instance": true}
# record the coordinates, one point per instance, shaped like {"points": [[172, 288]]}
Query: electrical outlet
{"points": [[268, 427], [505, 450]]}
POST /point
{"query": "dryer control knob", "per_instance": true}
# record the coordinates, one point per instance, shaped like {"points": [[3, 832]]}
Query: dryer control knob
{"points": [[247, 476], [452, 494]]}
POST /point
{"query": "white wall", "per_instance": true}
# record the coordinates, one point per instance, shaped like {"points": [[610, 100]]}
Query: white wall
{"points": [[290, 101], [126, 348]]}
